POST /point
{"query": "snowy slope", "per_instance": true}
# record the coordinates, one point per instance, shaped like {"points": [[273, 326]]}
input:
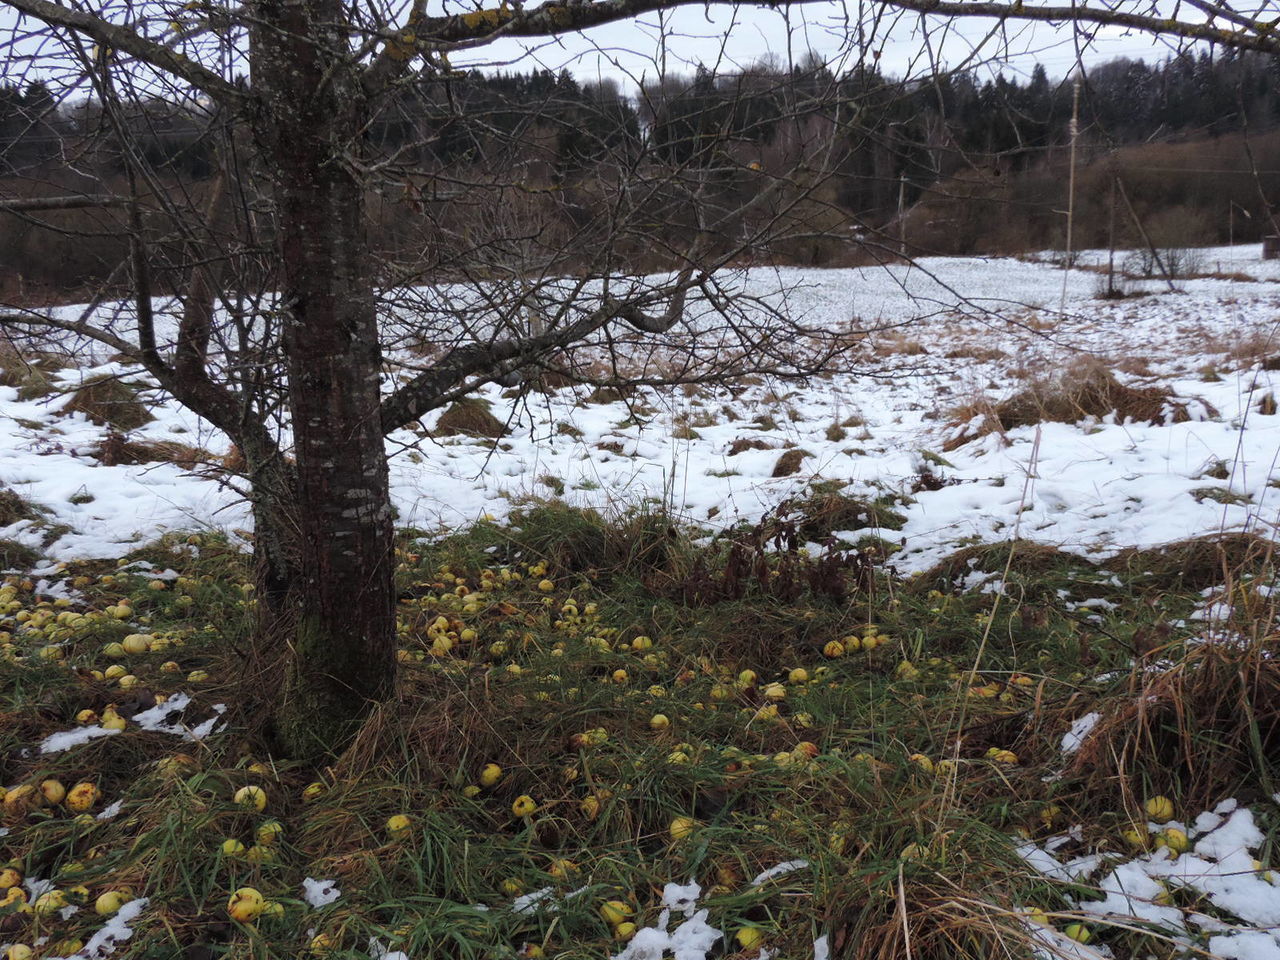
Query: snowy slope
{"points": [[946, 331]]}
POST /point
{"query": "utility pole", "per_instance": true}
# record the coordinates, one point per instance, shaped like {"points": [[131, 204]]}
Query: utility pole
{"points": [[1111, 243], [902, 214], [1071, 188]]}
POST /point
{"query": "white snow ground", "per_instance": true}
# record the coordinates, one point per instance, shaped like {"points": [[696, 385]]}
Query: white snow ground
{"points": [[1090, 487]]}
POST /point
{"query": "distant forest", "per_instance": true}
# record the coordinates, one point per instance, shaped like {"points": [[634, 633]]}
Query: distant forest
{"points": [[952, 163]]}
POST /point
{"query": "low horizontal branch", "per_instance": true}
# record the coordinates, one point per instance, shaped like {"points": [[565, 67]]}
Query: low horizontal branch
{"points": [[36, 204]]}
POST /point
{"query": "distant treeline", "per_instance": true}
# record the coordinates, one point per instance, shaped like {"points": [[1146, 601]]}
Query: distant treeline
{"points": [[976, 163]]}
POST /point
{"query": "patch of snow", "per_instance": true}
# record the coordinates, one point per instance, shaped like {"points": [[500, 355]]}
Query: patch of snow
{"points": [[1219, 868], [320, 893], [111, 810], [114, 932], [164, 718], [66, 739], [1080, 729], [378, 952], [35, 887], [788, 866], [530, 902]]}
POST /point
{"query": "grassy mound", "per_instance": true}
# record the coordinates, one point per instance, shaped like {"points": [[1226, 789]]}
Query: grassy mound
{"points": [[1032, 569], [1200, 728], [118, 449], [826, 512], [789, 463], [15, 507], [30, 374]]}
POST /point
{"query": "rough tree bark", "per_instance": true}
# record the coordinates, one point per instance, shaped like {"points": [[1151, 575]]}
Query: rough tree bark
{"points": [[342, 604]]}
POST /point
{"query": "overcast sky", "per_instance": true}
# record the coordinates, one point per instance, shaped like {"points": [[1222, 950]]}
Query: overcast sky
{"points": [[726, 37], [734, 37]]}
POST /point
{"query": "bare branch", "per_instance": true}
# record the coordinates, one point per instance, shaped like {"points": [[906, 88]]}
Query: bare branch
{"points": [[427, 34], [36, 204], [126, 39], [1258, 36], [425, 392]]}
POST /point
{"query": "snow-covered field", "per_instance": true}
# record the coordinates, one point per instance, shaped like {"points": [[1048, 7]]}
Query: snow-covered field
{"points": [[973, 328]]}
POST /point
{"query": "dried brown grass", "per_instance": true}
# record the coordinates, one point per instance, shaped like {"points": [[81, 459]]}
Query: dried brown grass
{"points": [[109, 402], [743, 444], [1200, 562], [1203, 728], [118, 450], [29, 374], [789, 463], [470, 418], [926, 915], [1086, 389]]}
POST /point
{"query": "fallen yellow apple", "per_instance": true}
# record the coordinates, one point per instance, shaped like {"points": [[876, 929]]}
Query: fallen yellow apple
{"points": [[1078, 932], [749, 938], [82, 797], [614, 912], [245, 905], [251, 796], [1160, 809], [682, 827], [398, 826]]}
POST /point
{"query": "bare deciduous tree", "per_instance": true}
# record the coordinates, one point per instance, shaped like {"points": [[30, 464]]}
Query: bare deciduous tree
{"points": [[287, 323]]}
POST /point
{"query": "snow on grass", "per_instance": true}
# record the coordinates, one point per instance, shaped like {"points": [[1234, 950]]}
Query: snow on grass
{"points": [[167, 718], [788, 866], [320, 893], [1220, 870], [377, 951], [692, 939], [66, 739], [113, 933], [111, 811], [1079, 732], [162, 718], [978, 326]]}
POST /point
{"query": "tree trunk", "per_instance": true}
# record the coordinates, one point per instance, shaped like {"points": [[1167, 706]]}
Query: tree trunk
{"points": [[343, 656]]}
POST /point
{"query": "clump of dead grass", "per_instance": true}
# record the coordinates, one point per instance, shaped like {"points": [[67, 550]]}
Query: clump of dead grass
{"points": [[1085, 390], [469, 417], [1202, 728], [29, 374], [932, 918], [826, 512], [119, 450], [743, 444], [15, 555], [15, 507], [109, 402], [1199, 562], [789, 463], [1033, 562]]}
